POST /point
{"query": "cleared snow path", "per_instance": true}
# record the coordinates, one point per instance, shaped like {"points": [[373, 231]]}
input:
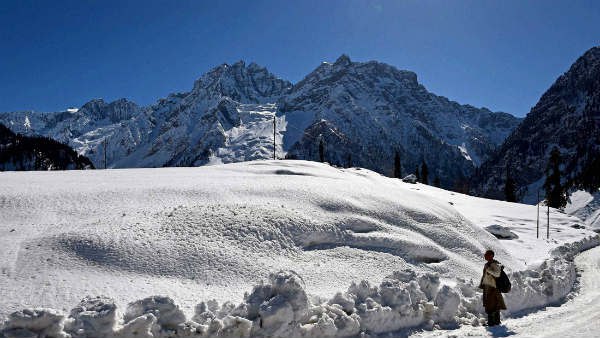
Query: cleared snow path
{"points": [[578, 317]]}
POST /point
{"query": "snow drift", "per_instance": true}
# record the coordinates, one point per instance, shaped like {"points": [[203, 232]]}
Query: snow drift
{"points": [[281, 307]]}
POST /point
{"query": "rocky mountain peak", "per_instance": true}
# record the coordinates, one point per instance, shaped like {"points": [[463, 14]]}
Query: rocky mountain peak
{"points": [[371, 74], [118, 110], [246, 84], [343, 61], [94, 104]]}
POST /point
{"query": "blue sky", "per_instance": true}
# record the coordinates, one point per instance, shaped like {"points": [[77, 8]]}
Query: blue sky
{"points": [[499, 54]]}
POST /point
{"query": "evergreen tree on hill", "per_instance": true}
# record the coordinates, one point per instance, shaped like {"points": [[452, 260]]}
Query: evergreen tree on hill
{"points": [[424, 173], [509, 188], [555, 192], [397, 166]]}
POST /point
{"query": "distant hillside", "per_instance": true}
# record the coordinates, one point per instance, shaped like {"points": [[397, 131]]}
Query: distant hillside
{"points": [[566, 117], [18, 152]]}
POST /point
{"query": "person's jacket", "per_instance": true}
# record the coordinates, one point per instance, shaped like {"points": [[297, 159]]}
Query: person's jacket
{"points": [[491, 271]]}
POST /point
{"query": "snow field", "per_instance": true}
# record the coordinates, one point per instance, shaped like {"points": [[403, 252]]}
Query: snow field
{"points": [[410, 253]]}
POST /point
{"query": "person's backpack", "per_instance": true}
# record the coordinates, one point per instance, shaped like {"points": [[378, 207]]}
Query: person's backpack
{"points": [[502, 282]]}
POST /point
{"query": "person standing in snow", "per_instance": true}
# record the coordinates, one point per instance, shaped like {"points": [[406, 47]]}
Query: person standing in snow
{"points": [[493, 301]]}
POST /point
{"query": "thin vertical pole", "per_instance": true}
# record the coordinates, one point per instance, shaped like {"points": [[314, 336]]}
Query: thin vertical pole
{"points": [[548, 228], [274, 126], [537, 233], [105, 153]]}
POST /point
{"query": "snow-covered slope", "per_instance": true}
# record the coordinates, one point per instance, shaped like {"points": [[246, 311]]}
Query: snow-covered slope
{"points": [[194, 234], [363, 112], [586, 207]]}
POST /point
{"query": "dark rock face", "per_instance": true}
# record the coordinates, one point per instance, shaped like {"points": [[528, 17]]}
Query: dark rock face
{"points": [[115, 111], [567, 116]]}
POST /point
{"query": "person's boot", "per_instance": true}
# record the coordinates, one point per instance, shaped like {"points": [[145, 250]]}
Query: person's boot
{"points": [[497, 318], [493, 318], [490, 321]]}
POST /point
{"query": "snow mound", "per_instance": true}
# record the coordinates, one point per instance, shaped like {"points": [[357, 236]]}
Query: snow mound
{"points": [[410, 179], [35, 323], [167, 315], [501, 232], [96, 315]]}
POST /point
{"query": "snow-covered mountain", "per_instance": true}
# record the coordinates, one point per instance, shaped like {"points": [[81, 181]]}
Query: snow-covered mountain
{"points": [[122, 124], [366, 111], [362, 113], [184, 129], [567, 116]]}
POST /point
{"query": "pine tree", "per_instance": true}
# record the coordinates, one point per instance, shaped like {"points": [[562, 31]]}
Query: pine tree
{"points": [[417, 174], [321, 151], [397, 167], [424, 173], [509, 188], [436, 181], [349, 161], [555, 193]]}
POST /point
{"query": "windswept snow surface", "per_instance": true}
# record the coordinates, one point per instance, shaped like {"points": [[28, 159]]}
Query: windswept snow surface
{"points": [[215, 232]]}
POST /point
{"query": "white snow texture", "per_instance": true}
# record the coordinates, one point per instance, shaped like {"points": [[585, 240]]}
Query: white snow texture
{"points": [[408, 255]]}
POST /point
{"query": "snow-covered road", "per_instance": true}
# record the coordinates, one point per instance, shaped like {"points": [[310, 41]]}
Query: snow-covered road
{"points": [[578, 317]]}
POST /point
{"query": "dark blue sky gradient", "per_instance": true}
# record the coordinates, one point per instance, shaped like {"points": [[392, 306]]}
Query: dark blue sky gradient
{"points": [[499, 54]]}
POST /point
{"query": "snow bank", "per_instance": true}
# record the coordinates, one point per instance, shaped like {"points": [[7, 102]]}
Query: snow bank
{"points": [[281, 307], [35, 323], [532, 289], [93, 315]]}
